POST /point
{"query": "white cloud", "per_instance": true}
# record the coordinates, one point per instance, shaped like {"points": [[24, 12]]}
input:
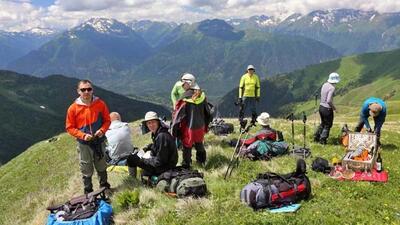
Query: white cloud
{"points": [[22, 14]]}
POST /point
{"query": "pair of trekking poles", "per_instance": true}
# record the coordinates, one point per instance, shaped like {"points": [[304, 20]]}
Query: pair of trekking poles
{"points": [[303, 152], [234, 161]]}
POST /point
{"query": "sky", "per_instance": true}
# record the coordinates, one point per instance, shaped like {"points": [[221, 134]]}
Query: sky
{"points": [[19, 15]]}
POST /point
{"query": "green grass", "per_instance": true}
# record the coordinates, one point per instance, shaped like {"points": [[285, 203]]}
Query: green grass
{"points": [[48, 173]]}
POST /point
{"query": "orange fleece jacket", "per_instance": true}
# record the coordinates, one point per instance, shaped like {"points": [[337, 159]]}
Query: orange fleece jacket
{"points": [[87, 119]]}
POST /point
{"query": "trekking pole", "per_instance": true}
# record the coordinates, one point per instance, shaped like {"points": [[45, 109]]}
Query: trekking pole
{"points": [[235, 156], [234, 153], [304, 133], [291, 118], [315, 112]]}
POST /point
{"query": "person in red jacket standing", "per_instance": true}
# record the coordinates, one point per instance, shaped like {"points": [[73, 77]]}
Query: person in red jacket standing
{"points": [[88, 120]]}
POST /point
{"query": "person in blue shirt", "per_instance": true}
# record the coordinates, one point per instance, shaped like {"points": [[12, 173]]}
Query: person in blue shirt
{"points": [[376, 108]]}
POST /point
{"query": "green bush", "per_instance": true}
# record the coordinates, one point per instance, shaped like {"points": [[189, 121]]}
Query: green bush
{"points": [[127, 199]]}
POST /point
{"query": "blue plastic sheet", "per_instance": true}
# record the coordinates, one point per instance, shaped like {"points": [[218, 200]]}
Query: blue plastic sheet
{"points": [[101, 217]]}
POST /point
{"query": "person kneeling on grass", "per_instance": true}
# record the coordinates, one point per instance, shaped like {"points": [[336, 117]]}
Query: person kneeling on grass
{"points": [[163, 152]]}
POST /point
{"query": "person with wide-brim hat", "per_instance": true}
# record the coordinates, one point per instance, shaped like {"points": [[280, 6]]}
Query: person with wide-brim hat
{"points": [[326, 108], [163, 155]]}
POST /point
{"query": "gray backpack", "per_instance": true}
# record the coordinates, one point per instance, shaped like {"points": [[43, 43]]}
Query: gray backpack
{"points": [[183, 182]]}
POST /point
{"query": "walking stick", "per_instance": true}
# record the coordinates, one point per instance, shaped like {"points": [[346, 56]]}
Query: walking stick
{"points": [[235, 156]]}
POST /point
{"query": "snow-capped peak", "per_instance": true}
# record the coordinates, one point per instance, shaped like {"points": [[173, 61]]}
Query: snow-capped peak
{"points": [[266, 20], [103, 25], [41, 31]]}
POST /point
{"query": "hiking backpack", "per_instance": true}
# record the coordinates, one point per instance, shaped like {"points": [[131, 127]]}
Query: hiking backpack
{"points": [[88, 209], [264, 150], [219, 127], [272, 190], [182, 182]]}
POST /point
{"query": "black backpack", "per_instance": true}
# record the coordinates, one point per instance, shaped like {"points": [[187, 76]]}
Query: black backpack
{"points": [[321, 165], [271, 190], [81, 207], [183, 182], [219, 127]]}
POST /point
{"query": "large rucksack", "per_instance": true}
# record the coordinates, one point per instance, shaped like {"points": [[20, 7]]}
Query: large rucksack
{"points": [[271, 190], [183, 182], [88, 209]]}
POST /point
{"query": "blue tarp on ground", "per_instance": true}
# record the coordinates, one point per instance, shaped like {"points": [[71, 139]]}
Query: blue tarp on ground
{"points": [[101, 217]]}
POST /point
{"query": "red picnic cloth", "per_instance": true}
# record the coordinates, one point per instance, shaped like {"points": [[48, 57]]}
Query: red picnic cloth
{"points": [[362, 175]]}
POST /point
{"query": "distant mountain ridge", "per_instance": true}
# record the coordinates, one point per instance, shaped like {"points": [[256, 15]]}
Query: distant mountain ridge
{"points": [[17, 44], [34, 108], [118, 58], [349, 31]]}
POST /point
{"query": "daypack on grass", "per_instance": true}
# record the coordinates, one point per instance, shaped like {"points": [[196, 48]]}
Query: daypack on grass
{"points": [[219, 127], [183, 182], [271, 190], [264, 149], [88, 209]]}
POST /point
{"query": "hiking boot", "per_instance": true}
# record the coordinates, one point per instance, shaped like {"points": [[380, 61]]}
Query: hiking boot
{"points": [[105, 185], [87, 191]]}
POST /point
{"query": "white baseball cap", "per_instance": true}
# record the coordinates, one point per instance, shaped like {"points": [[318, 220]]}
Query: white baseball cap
{"points": [[250, 67]]}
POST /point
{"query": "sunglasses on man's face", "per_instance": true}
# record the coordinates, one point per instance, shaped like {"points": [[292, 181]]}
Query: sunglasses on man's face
{"points": [[86, 89]]}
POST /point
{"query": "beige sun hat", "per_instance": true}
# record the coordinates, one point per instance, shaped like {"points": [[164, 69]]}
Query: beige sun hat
{"points": [[150, 115], [374, 109], [263, 119]]}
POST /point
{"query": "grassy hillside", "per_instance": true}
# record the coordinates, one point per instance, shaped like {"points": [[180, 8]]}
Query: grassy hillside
{"points": [[48, 172], [362, 76], [33, 109]]}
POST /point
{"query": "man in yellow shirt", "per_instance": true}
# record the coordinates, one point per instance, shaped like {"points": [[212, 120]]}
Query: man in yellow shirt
{"points": [[249, 93]]}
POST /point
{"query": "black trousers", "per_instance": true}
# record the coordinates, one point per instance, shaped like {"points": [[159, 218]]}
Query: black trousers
{"points": [[201, 154], [322, 133]]}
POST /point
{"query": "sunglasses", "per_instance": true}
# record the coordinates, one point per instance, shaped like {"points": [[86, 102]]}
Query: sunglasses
{"points": [[86, 89]]}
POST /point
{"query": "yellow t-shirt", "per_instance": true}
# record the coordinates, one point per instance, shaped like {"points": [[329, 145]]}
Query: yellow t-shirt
{"points": [[250, 86]]}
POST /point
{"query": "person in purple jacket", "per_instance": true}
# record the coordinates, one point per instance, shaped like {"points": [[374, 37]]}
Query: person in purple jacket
{"points": [[376, 108]]}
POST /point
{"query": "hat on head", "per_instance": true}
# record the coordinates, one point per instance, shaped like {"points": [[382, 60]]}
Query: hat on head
{"points": [[150, 115], [250, 67], [188, 78], [374, 109], [195, 86], [263, 119], [334, 78]]}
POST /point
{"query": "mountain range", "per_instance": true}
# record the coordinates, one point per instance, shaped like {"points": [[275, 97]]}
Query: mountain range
{"points": [[14, 45], [348, 31], [34, 109], [117, 57]]}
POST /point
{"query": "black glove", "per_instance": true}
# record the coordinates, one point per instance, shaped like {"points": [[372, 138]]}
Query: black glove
{"points": [[240, 100], [133, 160]]}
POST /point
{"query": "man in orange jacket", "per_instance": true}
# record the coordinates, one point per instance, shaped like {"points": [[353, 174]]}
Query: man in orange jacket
{"points": [[88, 120]]}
